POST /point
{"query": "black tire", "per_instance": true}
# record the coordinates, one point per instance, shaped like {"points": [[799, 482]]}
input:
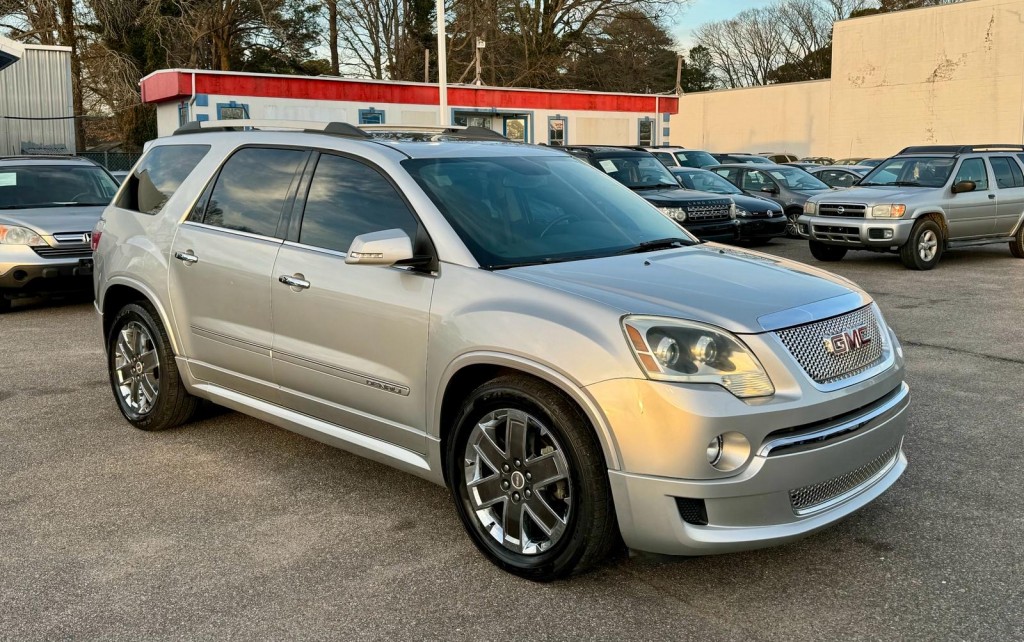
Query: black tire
{"points": [[173, 405], [590, 529], [1017, 244], [792, 226], [827, 253], [914, 254]]}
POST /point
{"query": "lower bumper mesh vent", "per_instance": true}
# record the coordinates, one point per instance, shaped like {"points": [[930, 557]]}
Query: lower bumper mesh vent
{"points": [[809, 497]]}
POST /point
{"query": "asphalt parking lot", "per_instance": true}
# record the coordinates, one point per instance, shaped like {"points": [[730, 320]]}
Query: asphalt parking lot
{"points": [[232, 528]]}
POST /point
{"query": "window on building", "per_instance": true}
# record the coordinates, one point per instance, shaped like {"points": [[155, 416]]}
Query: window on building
{"points": [[973, 169], [556, 131], [252, 189], [469, 119], [347, 198], [232, 111], [158, 176], [182, 114], [646, 127], [1007, 172], [371, 116]]}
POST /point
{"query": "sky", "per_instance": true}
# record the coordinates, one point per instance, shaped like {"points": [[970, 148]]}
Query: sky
{"points": [[697, 12]]}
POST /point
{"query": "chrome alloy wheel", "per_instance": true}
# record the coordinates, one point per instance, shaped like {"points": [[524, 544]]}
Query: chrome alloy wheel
{"points": [[927, 245], [136, 368], [517, 481]]}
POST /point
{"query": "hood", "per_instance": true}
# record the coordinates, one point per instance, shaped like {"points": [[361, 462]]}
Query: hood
{"points": [[871, 195], [48, 221], [739, 290], [753, 203], [672, 196]]}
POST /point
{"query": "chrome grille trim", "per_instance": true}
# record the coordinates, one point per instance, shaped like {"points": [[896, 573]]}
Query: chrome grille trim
{"points": [[806, 343], [73, 237], [845, 210], [63, 252], [836, 233], [714, 211], [820, 496]]}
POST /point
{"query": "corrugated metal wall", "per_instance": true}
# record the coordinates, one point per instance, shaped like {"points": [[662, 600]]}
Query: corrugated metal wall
{"points": [[37, 86]]}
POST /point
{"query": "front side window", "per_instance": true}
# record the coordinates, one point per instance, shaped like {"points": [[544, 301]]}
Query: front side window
{"points": [[695, 159], [911, 172], [252, 189], [973, 169], [642, 171], [666, 159], [756, 181], [37, 186], [158, 176], [796, 179], [707, 182], [1007, 172], [520, 210], [346, 199]]}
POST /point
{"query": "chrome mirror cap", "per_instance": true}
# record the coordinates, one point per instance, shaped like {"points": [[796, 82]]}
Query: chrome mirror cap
{"points": [[386, 247]]}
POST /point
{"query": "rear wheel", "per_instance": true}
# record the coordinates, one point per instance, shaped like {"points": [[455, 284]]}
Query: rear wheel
{"points": [[143, 373], [923, 249], [529, 481], [1017, 244], [824, 252]]}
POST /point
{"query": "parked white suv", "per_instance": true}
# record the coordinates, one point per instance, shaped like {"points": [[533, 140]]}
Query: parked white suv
{"points": [[508, 322]]}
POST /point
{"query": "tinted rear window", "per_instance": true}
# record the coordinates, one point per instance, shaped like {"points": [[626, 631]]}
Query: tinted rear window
{"points": [[252, 190], [158, 176]]}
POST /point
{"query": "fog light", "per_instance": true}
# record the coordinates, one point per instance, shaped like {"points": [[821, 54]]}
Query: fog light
{"points": [[728, 451], [887, 234]]}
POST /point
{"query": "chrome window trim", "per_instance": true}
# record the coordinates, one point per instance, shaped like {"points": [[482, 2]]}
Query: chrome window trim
{"points": [[228, 230]]}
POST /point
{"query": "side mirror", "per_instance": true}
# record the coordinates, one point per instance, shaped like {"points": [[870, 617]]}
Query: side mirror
{"points": [[770, 189], [386, 247], [964, 186]]}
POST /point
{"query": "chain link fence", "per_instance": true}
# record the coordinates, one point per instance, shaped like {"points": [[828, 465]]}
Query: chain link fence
{"points": [[113, 161]]}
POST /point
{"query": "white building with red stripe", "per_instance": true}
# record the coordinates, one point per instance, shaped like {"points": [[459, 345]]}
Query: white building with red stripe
{"points": [[529, 115]]}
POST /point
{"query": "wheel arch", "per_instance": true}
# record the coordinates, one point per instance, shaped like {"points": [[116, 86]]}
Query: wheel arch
{"points": [[937, 215], [469, 371], [121, 291]]}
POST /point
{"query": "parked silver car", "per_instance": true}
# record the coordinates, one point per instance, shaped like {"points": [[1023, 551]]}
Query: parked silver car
{"points": [[923, 201], [506, 321], [48, 207]]}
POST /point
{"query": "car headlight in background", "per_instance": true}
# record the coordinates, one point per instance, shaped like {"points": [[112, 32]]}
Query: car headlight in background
{"points": [[690, 352], [739, 212], [14, 235], [810, 208], [888, 211], [675, 213]]}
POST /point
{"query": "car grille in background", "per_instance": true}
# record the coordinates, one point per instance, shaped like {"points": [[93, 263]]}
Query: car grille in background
{"points": [[708, 211], [845, 210], [807, 345], [806, 499], [836, 233], [63, 252]]}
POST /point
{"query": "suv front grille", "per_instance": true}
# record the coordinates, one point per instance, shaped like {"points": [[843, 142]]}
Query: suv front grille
{"points": [[845, 210], [809, 346], [81, 252], [714, 211], [805, 499]]}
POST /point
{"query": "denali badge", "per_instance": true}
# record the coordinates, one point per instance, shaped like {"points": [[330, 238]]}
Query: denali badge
{"points": [[848, 341]]}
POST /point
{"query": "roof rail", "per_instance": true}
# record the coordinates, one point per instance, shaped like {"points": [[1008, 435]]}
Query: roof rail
{"points": [[434, 132], [314, 127], [961, 149], [43, 157]]}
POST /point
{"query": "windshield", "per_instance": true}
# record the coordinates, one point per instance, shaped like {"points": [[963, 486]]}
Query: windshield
{"points": [[32, 186], [704, 181], [637, 172], [797, 179], [911, 172], [695, 159], [512, 211]]}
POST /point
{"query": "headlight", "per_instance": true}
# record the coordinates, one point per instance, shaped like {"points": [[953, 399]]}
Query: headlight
{"points": [[675, 213], [689, 352], [888, 211], [810, 208], [740, 212], [13, 235]]}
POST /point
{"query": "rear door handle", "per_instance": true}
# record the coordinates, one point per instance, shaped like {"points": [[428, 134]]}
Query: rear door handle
{"points": [[186, 257], [294, 281], [992, 196]]}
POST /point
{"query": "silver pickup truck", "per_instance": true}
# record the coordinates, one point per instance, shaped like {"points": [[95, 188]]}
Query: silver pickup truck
{"points": [[921, 202]]}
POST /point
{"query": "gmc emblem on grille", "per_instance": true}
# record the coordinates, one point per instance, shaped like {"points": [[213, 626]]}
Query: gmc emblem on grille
{"points": [[848, 341]]}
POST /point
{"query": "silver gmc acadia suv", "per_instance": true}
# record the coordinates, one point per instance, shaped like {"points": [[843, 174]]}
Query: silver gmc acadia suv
{"points": [[923, 201], [504, 320]]}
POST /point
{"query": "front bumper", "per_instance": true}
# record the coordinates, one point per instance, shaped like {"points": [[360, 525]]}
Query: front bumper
{"points": [[713, 231], [871, 233], [25, 273], [759, 228]]}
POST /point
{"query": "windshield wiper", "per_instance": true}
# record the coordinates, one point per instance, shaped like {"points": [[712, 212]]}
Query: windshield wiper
{"points": [[907, 184], [658, 186], [656, 244]]}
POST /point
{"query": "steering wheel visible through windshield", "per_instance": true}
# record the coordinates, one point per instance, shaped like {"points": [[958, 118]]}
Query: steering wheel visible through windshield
{"points": [[512, 210], [911, 172]]}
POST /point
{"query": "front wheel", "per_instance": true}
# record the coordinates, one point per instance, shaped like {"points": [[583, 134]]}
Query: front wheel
{"points": [[792, 227], [528, 479], [824, 252], [143, 373], [923, 249], [1017, 244]]}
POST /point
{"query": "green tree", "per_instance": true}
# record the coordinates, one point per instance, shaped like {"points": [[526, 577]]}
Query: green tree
{"points": [[698, 71]]}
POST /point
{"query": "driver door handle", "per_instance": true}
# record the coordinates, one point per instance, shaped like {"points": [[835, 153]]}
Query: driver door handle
{"points": [[186, 257], [992, 196], [294, 281]]}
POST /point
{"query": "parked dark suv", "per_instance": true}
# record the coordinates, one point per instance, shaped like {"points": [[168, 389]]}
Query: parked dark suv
{"points": [[707, 216]]}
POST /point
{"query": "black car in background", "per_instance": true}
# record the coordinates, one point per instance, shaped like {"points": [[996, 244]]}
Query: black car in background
{"points": [[759, 219], [788, 186], [707, 216]]}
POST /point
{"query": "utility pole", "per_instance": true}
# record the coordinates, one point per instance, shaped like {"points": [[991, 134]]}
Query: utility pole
{"points": [[679, 74], [442, 66], [426, 65], [480, 45]]}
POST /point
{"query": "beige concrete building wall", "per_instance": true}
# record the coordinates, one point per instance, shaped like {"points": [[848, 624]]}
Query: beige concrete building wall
{"points": [[792, 118], [942, 75]]}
